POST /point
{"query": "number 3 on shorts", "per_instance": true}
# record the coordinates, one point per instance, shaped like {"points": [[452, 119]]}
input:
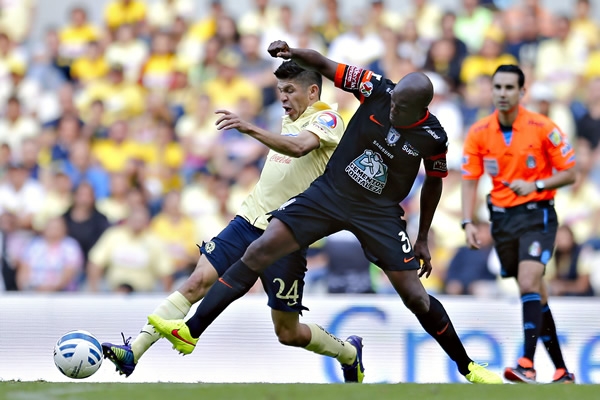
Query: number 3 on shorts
{"points": [[292, 293], [406, 243]]}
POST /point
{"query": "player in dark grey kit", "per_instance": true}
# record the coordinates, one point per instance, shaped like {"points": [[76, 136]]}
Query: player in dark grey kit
{"points": [[370, 173]]}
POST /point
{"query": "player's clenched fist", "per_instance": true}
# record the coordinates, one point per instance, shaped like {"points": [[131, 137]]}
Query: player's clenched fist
{"points": [[279, 48]]}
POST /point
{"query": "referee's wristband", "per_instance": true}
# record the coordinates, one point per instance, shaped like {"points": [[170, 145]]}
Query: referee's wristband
{"points": [[465, 222]]}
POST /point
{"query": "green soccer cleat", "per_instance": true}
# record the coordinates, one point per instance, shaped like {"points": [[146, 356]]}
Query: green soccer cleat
{"points": [[480, 374], [176, 332]]}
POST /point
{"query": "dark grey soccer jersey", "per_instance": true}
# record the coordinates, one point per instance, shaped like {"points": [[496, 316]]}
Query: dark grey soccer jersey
{"points": [[375, 163]]}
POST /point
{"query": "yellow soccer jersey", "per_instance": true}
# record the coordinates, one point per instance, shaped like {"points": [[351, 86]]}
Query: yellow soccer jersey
{"points": [[284, 177]]}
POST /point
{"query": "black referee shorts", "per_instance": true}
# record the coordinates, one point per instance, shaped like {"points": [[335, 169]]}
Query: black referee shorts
{"points": [[524, 232]]}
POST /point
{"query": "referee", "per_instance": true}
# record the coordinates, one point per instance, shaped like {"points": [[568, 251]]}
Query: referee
{"points": [[528, 158]]}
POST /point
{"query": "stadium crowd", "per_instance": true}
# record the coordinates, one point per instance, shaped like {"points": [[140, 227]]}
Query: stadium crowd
{"points": [[111, 168]]}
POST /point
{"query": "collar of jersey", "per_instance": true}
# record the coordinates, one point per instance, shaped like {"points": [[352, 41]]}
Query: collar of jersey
{"points": [[419, 122]]}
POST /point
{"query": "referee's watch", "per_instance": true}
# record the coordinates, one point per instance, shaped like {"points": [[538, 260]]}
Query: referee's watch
{"points": [[540, 186], [465, 222]]}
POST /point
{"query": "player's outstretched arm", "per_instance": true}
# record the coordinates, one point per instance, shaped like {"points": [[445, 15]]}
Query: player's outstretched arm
{"points": [[431, 193], [306, 58], [293, 146]]}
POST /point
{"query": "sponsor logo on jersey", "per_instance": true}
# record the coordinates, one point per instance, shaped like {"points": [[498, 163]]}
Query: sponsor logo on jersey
{"points": [[366, 88], [392, 137], [209, 247], [565, 149], [410, 150], [440, 165], [280, 159], [535, 249], [369, 171], [555, 137], [431, 132], [352, 78], [327, 119], [531, 162]]}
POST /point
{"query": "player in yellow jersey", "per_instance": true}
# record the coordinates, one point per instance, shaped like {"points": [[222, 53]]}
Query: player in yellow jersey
{"points": [[311, 130]]}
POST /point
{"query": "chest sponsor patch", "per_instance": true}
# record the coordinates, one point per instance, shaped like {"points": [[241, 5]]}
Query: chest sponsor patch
{"points": [[369, 171], [327, 119]]}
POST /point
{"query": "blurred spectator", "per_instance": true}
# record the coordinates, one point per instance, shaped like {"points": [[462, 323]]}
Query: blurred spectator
{"points": [[412, 46], [94, 127], [347, 266], [523, 38], [387, 63], [63, 105], [128, 51], [116, 206], [156, 71], [84, 222], [121, 99], [332, 24], [257, 69], [487, 59], [67, 132], [197, 134], [541, 99], [21, 195], [588, 133], [27, 90], [30, 151], [58, 199], [16, 127], [259, 17], [442, 59], [75, 36], [449, 32], [117, 152], [519, 11], [469, 269], [380, 17], [177, 231], [234, 149], [427, 16], [51, 262], [16, 18], [162, 13], [561, 60], [130, 254], [121, 12], [472, 23], [206, 68], [288, 29], [13, 243], [565, 275], [229, 87], [206, 27], [228, 33], [91, 66], [477, 100], [81, 168], [47, 68], [355, 46], [584, 25]]}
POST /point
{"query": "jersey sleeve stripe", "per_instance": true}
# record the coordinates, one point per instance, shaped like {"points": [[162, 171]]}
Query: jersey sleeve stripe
{"points": [[339, 75]]}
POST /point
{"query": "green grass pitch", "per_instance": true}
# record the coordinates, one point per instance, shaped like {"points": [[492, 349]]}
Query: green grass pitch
{"points": [[174, 391]]}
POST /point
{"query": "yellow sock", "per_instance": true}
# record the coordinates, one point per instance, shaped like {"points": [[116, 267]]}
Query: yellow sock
{"points": [[323, 342], [176, 306]]}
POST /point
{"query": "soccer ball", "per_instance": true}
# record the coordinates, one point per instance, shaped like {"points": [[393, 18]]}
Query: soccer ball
{"points": [[78, 354]]}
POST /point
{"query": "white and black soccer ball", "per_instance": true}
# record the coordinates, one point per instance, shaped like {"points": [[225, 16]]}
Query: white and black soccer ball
{"points": [[78, 354]]}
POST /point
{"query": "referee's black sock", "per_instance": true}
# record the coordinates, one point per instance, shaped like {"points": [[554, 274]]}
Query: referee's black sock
{"points": [[550, 338], [532, 322], [437, 323], [236, 282]]}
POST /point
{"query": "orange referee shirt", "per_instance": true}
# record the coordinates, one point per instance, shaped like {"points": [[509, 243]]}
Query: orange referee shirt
{"points": [[536, 148]]}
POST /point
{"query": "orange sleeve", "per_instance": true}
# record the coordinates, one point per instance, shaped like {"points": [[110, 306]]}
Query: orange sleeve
{"points": [[560, 151], [339, 75], [472, 162]]}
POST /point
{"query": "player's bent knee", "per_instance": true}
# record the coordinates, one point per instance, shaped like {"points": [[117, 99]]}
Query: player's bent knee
{"points": [[416, 303], [288, 336]]}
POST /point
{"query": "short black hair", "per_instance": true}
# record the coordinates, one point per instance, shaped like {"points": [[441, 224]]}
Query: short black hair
{"points": [[289, 70], [512, 69]]}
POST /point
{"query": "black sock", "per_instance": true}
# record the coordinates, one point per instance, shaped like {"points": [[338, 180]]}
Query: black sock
{"points": [[532, 322], [437, 323], [550, 338], [236, 282]]}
